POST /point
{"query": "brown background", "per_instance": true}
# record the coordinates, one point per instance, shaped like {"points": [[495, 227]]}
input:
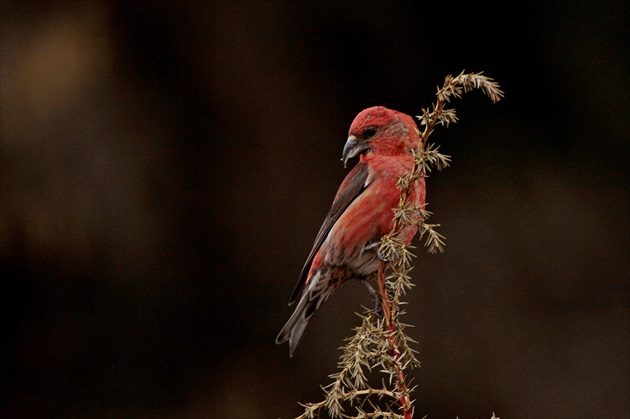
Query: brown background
{"points": [[165, 168]]}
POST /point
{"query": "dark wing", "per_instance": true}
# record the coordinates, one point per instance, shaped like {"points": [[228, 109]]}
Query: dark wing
{"points": [[351, 187]]}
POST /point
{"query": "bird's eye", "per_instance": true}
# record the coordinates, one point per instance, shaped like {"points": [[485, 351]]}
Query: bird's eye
{"points": [[369, 132]]}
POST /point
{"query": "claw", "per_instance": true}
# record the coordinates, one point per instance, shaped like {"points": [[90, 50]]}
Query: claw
{"points": [[378, 303], [378, 310], [375, 246]]}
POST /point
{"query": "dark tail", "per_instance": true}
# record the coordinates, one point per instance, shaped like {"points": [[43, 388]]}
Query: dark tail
{"points": [[312, 298]]}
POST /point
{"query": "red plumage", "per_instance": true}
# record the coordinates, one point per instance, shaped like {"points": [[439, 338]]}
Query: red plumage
{"points": [[346, 245]]}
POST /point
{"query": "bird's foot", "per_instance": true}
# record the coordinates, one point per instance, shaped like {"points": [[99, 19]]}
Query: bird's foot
{"points": [[378, 302], [375, 246]]}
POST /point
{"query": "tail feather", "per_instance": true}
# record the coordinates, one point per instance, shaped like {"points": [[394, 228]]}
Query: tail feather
{"points": [[292, 331]]}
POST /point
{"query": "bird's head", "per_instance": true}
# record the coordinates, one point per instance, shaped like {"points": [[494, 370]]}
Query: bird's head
{"points": [[382, 131]]}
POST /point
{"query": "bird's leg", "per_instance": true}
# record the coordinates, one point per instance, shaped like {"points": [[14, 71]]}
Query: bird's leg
{"points": [[378, 309], [378, 303], [375, 246], [372, 246]]}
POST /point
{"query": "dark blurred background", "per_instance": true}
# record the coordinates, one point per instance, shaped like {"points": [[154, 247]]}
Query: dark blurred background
{"points": [[166, 166]]}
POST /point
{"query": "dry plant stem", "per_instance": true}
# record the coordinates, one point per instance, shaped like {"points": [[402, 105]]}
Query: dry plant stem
{"points": [[453, 87], [389, 308], [351, 395]]}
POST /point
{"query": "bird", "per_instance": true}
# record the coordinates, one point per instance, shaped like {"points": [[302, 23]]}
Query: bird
{"points": [[346, 246]]}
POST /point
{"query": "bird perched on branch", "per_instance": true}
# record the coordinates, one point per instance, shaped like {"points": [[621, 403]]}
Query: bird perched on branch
{"points": [[346, 246]]}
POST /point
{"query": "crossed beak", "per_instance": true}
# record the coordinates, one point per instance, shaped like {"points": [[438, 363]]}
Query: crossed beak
{"points": [[353, 148]]}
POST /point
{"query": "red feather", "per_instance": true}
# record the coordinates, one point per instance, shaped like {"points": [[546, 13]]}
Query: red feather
{"points": [[361, 213]]}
